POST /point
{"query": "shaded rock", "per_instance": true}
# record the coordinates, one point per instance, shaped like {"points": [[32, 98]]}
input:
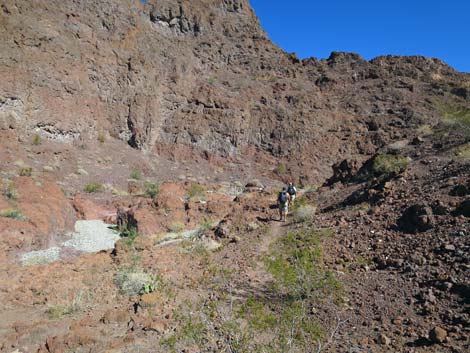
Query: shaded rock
{"points": [[460, 190], [464, 208], [437, 335], [384, 340], [416, 218], [344, 171], [222, 230]]}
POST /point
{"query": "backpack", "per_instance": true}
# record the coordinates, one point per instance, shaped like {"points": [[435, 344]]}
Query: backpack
{"points": [[291, 190], [282, 197]]}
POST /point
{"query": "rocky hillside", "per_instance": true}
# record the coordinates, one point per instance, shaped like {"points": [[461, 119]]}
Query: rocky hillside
{"points": [[201, 77], [142, 147]]}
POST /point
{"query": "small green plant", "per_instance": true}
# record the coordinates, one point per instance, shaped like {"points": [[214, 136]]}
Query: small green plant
{"points": [[136, 174], [26, 171], [94, 187], [388, 165], [281, 169], [211, 80], [130, 234], [56, 312], [151, 189], [196, 191], [297, 265], [10, 192], [12, 213], [36, 140], [101, 137], [134, 281]]}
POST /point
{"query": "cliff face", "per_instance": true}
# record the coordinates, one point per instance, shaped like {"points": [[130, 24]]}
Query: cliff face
{"points": [[202, 76]]}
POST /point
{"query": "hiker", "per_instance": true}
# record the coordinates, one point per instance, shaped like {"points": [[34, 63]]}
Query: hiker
{"points": [[283, 204], [291, 190]]}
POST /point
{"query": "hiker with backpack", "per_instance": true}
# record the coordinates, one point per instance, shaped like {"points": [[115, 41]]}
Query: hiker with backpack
{"points": [[292, 191], [283, 204]]}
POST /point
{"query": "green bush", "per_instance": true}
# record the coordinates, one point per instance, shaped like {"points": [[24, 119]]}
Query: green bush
{"points": [[10, 192], [101, 137], [36, 140], [94, 187], [196, 191], [130, 234], [176, 227], [12, 213], [133, 281], [151, 190], [389, 165], [297, 265], [136, 174], [281, 169], [26, 171]]}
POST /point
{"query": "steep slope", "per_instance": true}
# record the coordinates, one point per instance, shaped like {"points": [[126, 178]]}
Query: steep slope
{"points": [[202, 76]]}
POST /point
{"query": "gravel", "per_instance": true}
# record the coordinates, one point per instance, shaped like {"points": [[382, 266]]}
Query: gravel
{"points": [[40, 257], [89, 236], [92, 236]]}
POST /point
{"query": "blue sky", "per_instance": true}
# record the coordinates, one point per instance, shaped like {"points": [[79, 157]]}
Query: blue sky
{"points": [[432, 28]]}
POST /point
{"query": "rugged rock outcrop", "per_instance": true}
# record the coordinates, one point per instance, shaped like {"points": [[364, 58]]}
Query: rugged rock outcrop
{"points": [[203, 76]]}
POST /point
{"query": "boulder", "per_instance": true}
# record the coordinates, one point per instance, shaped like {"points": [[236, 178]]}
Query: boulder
{"points": [[464, 208], [416, 218], [437, 335]]}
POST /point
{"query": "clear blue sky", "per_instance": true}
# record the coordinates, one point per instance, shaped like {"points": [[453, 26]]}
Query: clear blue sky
{"points": [[433, 28]]}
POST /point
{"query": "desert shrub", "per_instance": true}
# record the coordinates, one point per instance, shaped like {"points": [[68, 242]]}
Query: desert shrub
{"points": [[36, 140], [389, 165], [136, 174], [196, 191], [101, 137], [151, 189], [304, 213], [176, 227], [133, 281], [281, 169], [94, 187], [296, 263], [211, 80], [26, 171], [10, 192], [60, 310], [129, 233], [12, 213]]}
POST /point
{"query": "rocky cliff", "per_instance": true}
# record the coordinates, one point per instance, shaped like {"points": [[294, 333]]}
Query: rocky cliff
{"points": [[202, 76]]}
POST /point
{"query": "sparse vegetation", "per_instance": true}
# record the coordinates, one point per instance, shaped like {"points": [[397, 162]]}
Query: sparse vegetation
{"points": [[10, 192], [36, 140], [101, 137], [26, 171], [211, 80], [196, 191], [388, 165], [133, 281], [456, 118], [56, 312], [136, 174], [12, 213], [151, 189], [281, 169], [176, 227], [262, 324], [130, 234], [94, 187]]}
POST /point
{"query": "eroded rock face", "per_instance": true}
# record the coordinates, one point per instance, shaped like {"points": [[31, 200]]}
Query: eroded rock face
{"points": [[203, 76]]}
